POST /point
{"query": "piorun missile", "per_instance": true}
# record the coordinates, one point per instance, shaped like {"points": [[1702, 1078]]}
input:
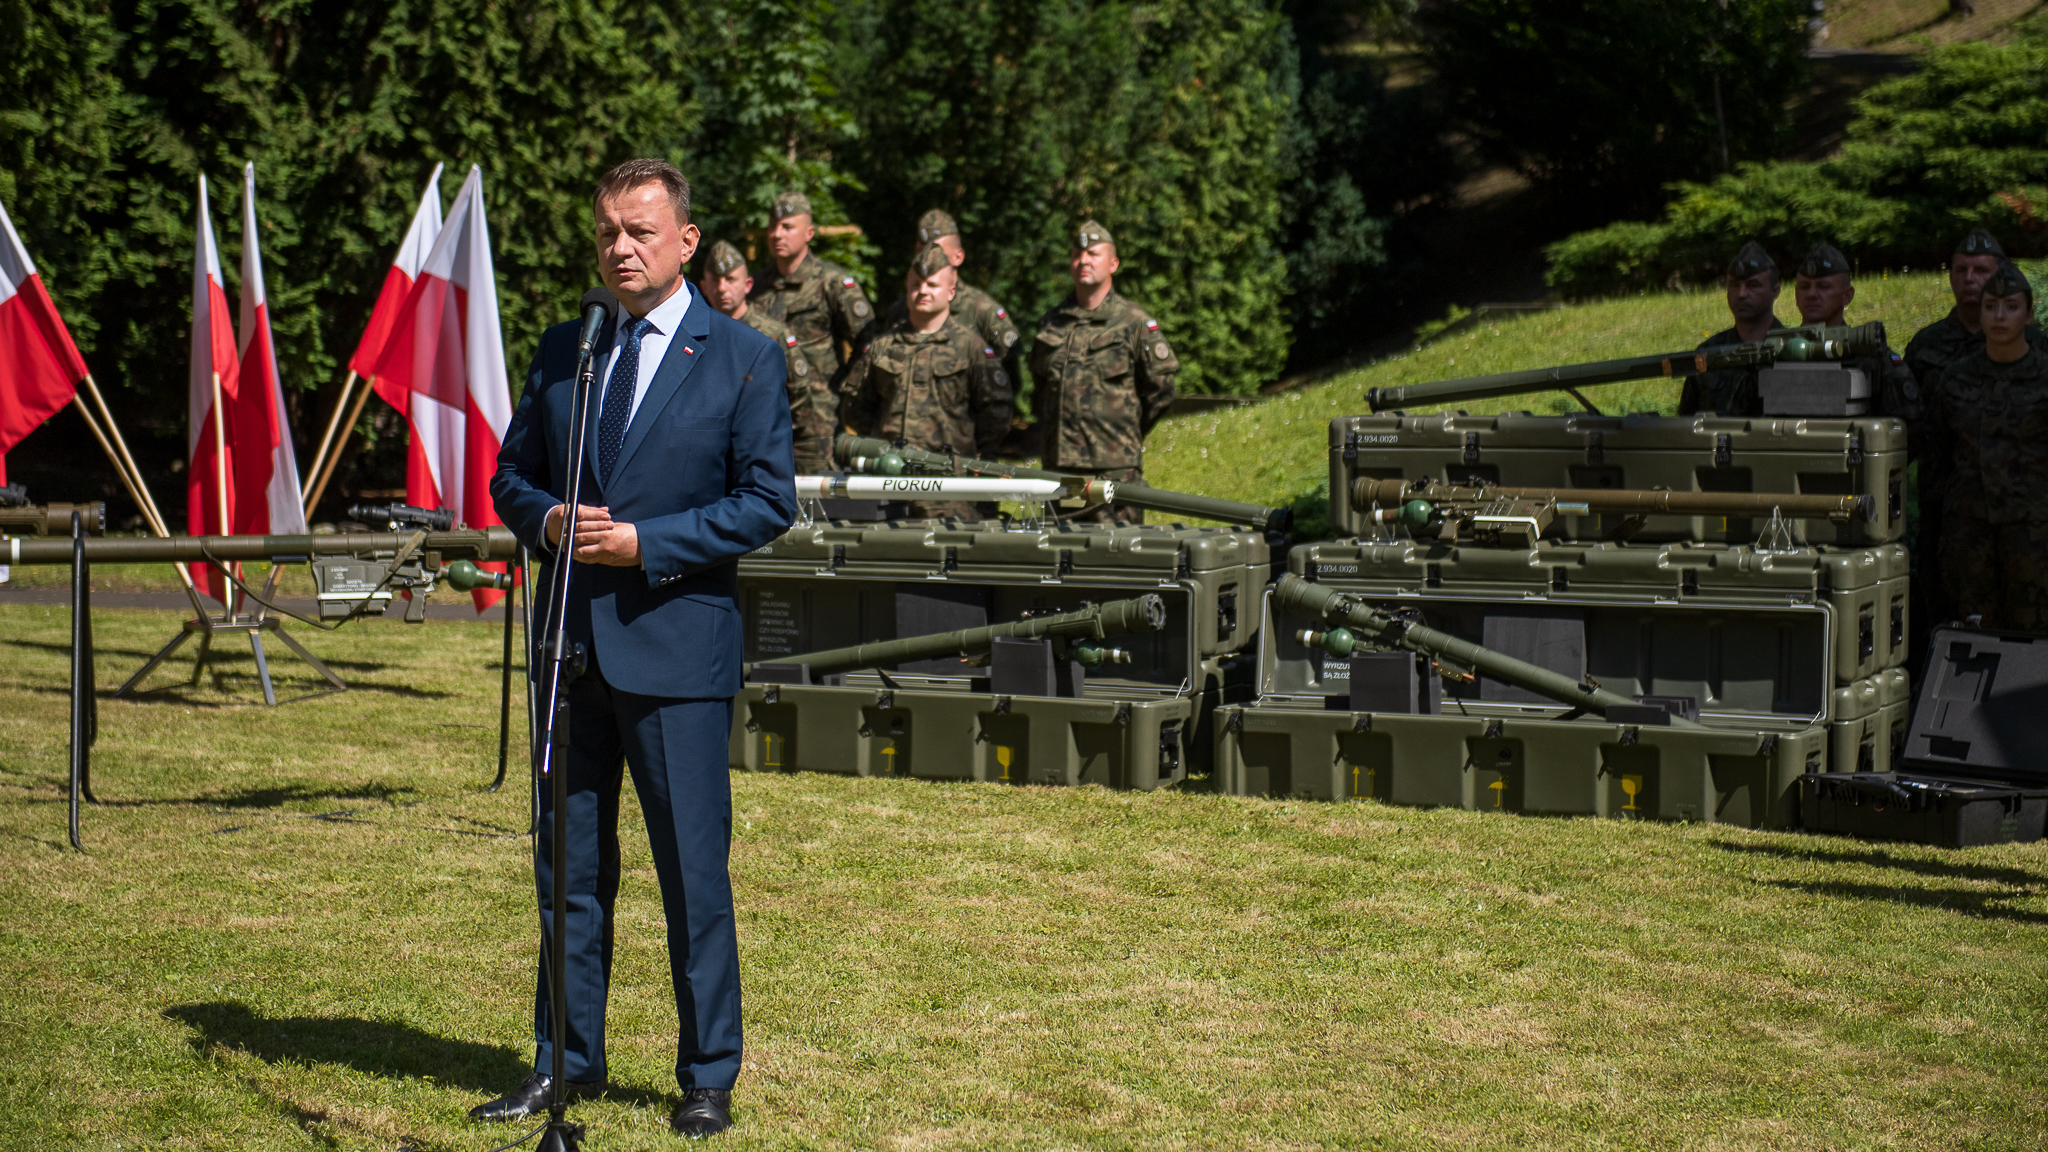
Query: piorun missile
{"points": [[1797, 345], [1516, 517], [20, 517], [882, 458], [1077, 633], [355, 573], [938, 488], [1356, 620]]}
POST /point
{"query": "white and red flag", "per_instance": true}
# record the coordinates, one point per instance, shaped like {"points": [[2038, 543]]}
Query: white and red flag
{"points": [[266, 499], [405, 268], [444, 367], [39, 365], [216, 378]]}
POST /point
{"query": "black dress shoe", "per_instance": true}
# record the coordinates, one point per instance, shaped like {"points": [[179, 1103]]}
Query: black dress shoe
{"points": [[703, 1112], [531, 1098]]}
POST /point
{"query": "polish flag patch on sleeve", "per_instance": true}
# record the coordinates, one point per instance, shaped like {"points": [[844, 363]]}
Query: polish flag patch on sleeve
{"points": [[1002, 315], [789, 340], [848, 281], [1151, 325], [988, 352]]}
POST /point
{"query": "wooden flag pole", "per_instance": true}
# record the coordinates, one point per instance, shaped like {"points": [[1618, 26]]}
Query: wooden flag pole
{"points": [[135, 487], [120, 470], [146, 500], [333, 422], [341, 440]]}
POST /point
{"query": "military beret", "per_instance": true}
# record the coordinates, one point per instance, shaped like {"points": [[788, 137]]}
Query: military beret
{"points": [[930, 259], [723, 259], [1824, 259], [1090, 233], [935, 224], [790, 203], [1750, 261], [1979, 243], [2009, 281]]}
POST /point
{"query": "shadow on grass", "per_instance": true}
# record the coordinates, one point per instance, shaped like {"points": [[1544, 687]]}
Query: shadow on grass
{"points": [[294, 793], [1967, 901], [1881, 858], [378, 1047], [223, 652], [375, 1047]]}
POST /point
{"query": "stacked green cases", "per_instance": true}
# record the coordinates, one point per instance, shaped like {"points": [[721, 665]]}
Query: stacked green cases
{"points": [[1137, 722], [1783, 642]]}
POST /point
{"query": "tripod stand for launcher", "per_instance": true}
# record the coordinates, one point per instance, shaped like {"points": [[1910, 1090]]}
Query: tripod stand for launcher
{"points": [[228, 622], [551, 763]]}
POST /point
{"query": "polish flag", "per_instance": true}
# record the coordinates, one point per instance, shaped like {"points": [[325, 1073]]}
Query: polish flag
{"points": [[214, 356], [39, 365], [445, 358], [405, 267], [266, 473]]}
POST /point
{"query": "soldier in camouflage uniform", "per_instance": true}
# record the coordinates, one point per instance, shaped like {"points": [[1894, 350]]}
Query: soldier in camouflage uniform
{"points": [[1953, 337], [929, 379], [1752, 299], [971, 306], [1933, 351], [813, 412], [1103, 373], [1823, 289], [1988, 418], [821, 304]]}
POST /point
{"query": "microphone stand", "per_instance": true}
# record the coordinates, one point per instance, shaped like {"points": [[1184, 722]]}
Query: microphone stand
{"points": [[563, 665]]}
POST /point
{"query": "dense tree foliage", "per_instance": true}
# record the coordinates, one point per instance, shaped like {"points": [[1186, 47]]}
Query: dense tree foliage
{"points": [[1961, 142], [1606, 101]]}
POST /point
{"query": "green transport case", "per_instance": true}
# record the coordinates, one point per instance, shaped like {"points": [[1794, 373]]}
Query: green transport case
{"points": [[1136, 725], [1863, 589], [1835, 457], [1748, 646]]}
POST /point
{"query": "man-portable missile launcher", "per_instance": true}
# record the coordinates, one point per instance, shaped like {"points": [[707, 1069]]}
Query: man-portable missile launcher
{"points": [[1733, 584], [1034, 707]]}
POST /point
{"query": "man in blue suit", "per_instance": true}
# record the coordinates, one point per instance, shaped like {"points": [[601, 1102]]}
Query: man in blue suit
{"points": [[690, 463]]}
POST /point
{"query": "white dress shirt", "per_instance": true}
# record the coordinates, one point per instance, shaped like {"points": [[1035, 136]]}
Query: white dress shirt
{"points": [[663, 323]]}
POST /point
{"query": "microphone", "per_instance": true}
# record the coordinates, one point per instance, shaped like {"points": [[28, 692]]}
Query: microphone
{"points": [[597, 304]]}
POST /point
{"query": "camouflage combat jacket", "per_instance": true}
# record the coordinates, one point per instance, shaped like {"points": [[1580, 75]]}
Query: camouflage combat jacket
{"points": [[822, 306], [1102, 379], [813, 411], [1988, 422], [1935, 348], [941, 390], [979, 310]]}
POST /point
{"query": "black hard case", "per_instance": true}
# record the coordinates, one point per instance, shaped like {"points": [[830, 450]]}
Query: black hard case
{"points": [[1982, 710], [1922, 809]]}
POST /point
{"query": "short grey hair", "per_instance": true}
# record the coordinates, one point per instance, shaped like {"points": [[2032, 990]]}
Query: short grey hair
{"points": [[634, 173]]}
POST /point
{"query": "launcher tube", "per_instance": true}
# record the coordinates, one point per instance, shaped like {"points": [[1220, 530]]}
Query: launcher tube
{"points": [[1310, 599], [1367, 492], [1813, 343], [480, 545], [930, 488], [861, 453], [1145, 613]]}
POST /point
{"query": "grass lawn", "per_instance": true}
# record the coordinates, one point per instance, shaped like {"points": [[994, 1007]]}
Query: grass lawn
{"points": [[309, 927]]}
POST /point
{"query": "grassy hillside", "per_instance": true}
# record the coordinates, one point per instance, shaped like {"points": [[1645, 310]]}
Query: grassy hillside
{"points": [[309, 927], [1278, 451]]}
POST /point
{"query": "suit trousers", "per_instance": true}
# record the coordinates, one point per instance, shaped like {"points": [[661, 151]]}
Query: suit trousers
{"points": [[675, 749]]}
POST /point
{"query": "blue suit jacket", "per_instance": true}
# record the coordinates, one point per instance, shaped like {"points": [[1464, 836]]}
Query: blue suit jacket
{"points": [[704, 473]]}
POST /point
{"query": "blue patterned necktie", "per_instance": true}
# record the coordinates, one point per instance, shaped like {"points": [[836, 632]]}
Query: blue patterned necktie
{"points": [[618, 399]]}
